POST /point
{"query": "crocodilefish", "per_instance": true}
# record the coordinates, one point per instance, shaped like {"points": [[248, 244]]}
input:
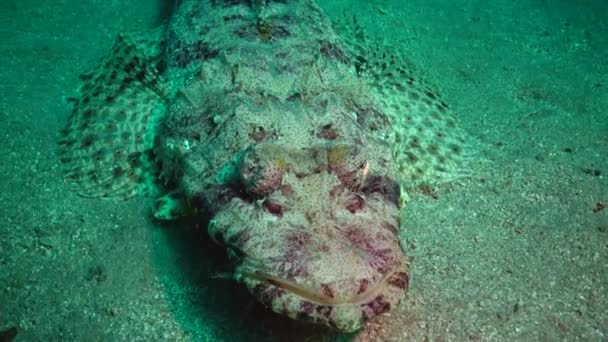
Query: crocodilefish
{"points": [[295, 144]]}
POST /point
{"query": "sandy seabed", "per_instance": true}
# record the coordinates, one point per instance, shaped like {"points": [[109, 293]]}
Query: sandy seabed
{"points": [[517, 252]]}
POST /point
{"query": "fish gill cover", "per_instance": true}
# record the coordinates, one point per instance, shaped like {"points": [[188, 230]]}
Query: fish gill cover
{"points": [[299, 142]]}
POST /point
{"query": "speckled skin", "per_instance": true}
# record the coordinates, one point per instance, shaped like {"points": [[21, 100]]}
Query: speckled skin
{"points": [[254, 113], [272, 132]]}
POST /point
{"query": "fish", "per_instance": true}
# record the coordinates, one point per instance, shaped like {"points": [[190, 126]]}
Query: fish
{"points": [[294, 139]]}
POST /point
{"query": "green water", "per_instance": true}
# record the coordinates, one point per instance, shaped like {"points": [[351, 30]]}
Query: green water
{"points": [[518, 251]]}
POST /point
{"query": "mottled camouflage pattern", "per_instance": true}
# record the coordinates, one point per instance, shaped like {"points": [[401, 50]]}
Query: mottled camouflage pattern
{"points": [[302, 190], [299, 145]]}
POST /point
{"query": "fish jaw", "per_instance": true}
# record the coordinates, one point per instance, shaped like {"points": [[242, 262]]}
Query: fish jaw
{"points": [[347, 314], [317, 252]]}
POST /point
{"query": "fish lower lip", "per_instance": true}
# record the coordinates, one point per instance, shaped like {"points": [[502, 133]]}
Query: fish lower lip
{"points": [[312, 296]]}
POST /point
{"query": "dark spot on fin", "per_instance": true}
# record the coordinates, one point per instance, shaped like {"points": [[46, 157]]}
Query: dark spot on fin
{"points": [[331, 50]]}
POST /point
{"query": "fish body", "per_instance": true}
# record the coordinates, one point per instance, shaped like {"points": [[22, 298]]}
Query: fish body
{"points": [[295, 142]]}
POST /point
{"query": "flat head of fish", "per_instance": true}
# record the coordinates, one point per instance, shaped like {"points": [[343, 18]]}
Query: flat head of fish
{"points": [[307, 205]]}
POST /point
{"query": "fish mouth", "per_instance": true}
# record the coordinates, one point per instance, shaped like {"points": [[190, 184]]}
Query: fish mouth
{"points": [[313, 296]]}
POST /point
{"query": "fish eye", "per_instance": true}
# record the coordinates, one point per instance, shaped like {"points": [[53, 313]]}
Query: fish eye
{"points": [[261, 176]]}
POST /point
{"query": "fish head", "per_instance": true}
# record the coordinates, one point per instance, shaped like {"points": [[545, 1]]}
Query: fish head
{"points": [[314, 233]]}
